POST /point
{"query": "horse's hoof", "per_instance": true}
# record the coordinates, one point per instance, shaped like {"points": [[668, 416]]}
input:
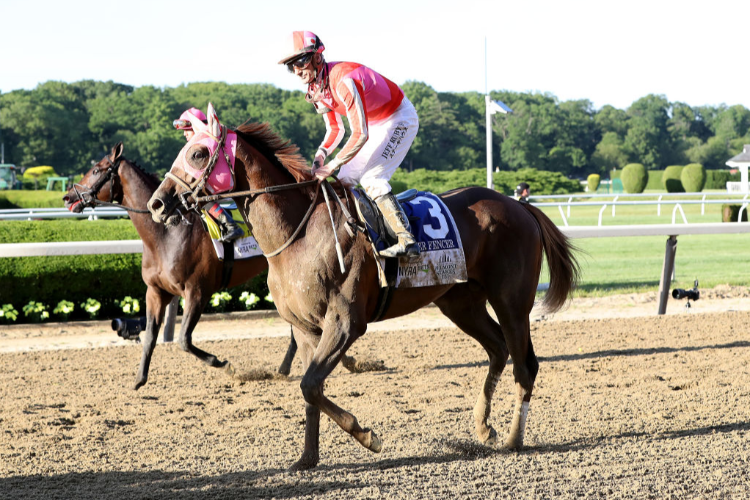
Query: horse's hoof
{"points": [[513, 444], [376, 445], [491, 438], [229, 369], [307, 462], [139, 384]]}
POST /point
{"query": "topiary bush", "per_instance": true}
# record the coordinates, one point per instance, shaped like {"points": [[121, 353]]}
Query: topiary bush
{"points": [[592, 182], [731, 213], [670, 180], [634, 178], [693, 178]]}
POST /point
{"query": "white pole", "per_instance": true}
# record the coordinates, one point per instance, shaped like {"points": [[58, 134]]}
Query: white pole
{"points": [[488, 123], [489, 141]]}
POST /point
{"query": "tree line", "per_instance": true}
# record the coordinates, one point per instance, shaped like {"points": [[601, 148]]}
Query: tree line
{"points": [[69, 125]]}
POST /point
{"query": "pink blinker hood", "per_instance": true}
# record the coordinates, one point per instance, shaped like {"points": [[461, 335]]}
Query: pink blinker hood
{"points": [[221, 178]]}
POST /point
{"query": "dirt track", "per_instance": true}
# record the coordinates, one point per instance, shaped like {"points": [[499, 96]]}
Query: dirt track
{"points": [[647, 407]]}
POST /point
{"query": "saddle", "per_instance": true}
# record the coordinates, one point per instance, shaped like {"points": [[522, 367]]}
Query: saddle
{"points": [[380, 232]]}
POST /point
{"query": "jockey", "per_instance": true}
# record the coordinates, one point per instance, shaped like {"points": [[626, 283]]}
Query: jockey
{"points": [[522, 192], [383, 126], [229, 229]]}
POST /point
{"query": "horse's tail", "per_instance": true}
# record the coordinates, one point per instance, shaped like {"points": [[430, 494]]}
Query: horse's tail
{"points": [[564, 270]]}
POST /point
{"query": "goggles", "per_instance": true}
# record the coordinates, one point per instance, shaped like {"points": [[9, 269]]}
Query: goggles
{"points": [[300, 62], [182, 125]]}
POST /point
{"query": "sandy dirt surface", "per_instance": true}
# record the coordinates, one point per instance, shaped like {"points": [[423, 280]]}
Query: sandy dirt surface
{"points": [[627, 404]]}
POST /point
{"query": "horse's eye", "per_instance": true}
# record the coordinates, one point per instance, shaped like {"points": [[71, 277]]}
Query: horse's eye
{"points": [[198, 154], [96, 172]]}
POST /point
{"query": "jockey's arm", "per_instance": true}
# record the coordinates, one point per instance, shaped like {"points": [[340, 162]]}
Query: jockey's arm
{"points": [[350, 94]]}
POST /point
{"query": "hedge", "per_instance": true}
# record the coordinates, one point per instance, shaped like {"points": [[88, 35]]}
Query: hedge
{"points": [[31, 199], [105, 278], [730, 213], [717, 179], [541, 182]]}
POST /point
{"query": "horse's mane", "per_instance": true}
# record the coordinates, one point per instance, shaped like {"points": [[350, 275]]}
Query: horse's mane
{"points": [[149, 177], [279, 151]]}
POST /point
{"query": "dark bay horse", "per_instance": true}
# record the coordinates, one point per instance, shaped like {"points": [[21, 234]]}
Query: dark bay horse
{"points": [[504, 243], [180, 261]]}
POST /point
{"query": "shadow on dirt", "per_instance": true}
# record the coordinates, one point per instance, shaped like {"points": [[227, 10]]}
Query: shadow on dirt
{"points": [[642, 352]]}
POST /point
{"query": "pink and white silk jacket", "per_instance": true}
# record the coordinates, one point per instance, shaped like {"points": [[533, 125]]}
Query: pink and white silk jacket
{"points": [[364, 96]]}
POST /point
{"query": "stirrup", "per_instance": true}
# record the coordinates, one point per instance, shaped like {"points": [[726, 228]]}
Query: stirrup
{"points": [[402, 249]]}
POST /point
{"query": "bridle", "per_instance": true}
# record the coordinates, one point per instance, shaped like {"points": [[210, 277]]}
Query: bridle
{"points": [[89, 198]]}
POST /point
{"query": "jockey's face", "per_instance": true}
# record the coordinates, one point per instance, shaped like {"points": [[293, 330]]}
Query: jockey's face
{"points": [[188, 134], [306, 73]]}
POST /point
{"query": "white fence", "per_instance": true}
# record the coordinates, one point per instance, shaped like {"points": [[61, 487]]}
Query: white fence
{"points": [[614, 200], [669, 230]]}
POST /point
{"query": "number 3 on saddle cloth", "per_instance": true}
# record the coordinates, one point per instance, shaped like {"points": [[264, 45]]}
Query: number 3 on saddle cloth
{"points": [[441, 259]]}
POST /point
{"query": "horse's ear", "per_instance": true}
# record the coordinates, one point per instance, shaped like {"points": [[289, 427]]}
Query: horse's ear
{"points": [[117, 151], [214, 126]]}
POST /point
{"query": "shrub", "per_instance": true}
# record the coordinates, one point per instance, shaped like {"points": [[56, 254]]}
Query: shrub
{"points": [[249, 300], [634, 178], [730, 213], [35, 312], [39, 172], [219, 301], [693, 178], [593, 182], [129, 305], [64, 309], [8, 314], [670, 180], [91, 306]]}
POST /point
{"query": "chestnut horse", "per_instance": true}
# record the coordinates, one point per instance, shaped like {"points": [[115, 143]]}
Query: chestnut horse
{"points": [[180, 261], [504, 243]]}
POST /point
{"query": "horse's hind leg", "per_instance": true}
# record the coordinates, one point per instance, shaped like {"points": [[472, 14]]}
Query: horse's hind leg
{"points": [[514, 319], [465, 305], [156, 303]]}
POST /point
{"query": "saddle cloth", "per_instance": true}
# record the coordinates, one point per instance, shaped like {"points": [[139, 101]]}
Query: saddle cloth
{"points": [[244, 248], [441, 260]]}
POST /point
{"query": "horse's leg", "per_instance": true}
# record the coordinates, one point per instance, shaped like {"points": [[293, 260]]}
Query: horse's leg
{"points": [[514, 319], [465, 305], [286, 365], [193, 310], [311, 453], [156, 303], [334, 342]]}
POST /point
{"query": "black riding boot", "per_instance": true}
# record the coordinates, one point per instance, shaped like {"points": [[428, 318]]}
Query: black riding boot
{"points": [[396, 218], [230, 231]]}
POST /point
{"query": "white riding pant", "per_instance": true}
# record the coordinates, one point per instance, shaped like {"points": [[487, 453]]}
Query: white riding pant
{"points": [[385, 149]]}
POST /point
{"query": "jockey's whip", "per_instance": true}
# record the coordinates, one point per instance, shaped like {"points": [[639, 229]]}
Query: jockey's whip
{"points": [[335, 235]]}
